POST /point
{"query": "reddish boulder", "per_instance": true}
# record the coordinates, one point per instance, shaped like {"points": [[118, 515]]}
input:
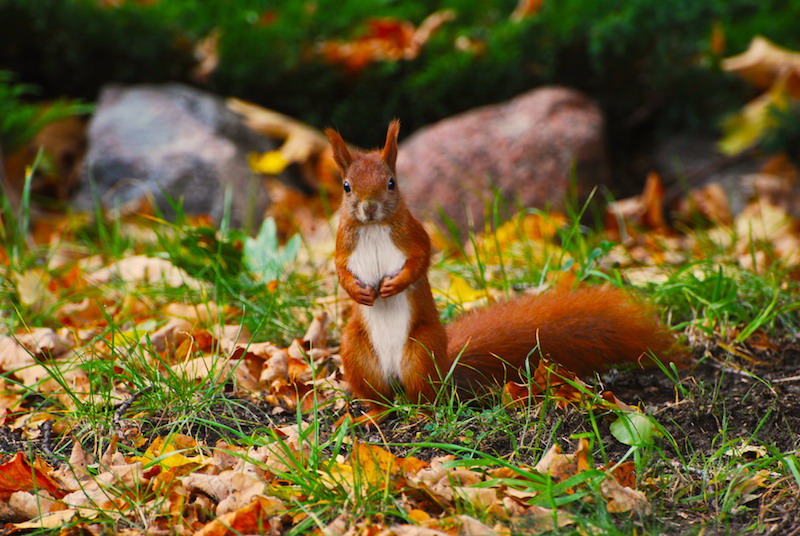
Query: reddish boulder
{"points": [[527, 148]]}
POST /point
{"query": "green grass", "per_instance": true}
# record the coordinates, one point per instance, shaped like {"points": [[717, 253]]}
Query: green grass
{"points": [[684, 452]]}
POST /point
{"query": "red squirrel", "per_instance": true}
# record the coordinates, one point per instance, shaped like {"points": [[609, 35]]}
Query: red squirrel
{"points": [[394, 338]]}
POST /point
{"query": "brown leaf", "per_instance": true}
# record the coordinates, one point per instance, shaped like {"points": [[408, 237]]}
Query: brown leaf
{"points": [[207, 313], [206, 52], [549, 378], [623, 499], [25, 505], [200, 368], [538, 519], [763, 62], [561, 466], [645, 210], [276, 367], [53, 520], [316, 336], [709, 202], [104, 490], [44, 343], [143, 269], [615, 402]]}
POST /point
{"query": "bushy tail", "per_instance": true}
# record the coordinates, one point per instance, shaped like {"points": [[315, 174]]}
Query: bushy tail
{"points": [[585, 331]]}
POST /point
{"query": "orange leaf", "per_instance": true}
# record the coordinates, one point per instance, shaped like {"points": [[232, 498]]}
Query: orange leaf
{"points": [[561, 466], [387, 39], [625, 474], [18, 475], [376, 464], [412, 465], [252, 519]]}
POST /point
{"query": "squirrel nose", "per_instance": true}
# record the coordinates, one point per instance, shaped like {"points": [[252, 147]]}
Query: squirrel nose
{"points": [[370, 207]]}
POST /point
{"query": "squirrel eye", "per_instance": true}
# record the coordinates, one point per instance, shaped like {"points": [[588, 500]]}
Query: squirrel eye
{"points": [[346, 186], [391, 183]]}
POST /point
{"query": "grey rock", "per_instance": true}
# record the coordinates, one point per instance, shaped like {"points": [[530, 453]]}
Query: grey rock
{"points": [[528, 149], [172, 140]]}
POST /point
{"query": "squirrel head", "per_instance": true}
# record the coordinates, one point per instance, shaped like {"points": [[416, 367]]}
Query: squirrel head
{"points": [[369, 183]]}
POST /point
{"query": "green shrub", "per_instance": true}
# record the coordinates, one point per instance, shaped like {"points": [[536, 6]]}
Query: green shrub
{"points": [[784, 136], [647, 63], [20, 121], [73, 47]]}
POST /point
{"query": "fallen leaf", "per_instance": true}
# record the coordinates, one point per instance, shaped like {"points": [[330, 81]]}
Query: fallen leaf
{"points": [[102, 491], [461, 292], [44, 343], [745, 483], [169, 452], [206, 52], [645, 210], [538, 519], [301, 141], [269, 163], [763, 62], [54, 520], [625, 474], [316, 336], [747, 127], [561, 466], [251, 519], [33, 290], [25, 505], [634, 429], [623, 499], [143, 269], [17, 474], [709, 203], [387, 39], [201, 368]]}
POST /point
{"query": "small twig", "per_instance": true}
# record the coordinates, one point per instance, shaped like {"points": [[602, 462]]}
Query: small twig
{"points": [[47, 436], [126, 405], [787, 379]]}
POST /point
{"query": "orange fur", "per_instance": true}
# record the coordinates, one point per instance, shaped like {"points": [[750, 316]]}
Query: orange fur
{"points": [[585, 331]]}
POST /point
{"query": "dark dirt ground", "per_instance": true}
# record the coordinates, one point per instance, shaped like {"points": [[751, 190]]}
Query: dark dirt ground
{"points": [[723, 401]]}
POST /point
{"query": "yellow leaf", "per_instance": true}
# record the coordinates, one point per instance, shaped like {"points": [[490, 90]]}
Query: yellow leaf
{"points": [[163, 452], [418, 516], [461, 292], [32, 288], [375, 463], [269, 163], [746, 128]]}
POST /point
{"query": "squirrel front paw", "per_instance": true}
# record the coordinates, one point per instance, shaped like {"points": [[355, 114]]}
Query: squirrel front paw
{"points": [[391, 286], [364, 294]]}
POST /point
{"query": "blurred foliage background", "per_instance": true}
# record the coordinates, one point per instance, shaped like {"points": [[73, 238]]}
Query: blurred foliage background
{"points": [[652, 66]]}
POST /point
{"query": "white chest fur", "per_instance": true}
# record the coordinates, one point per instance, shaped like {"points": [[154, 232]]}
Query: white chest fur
{"points": [[388, 320]]}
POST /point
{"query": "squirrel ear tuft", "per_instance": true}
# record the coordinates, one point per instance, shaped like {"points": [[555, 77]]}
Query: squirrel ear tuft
{"points": [[341, 154], [389, 152]]}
